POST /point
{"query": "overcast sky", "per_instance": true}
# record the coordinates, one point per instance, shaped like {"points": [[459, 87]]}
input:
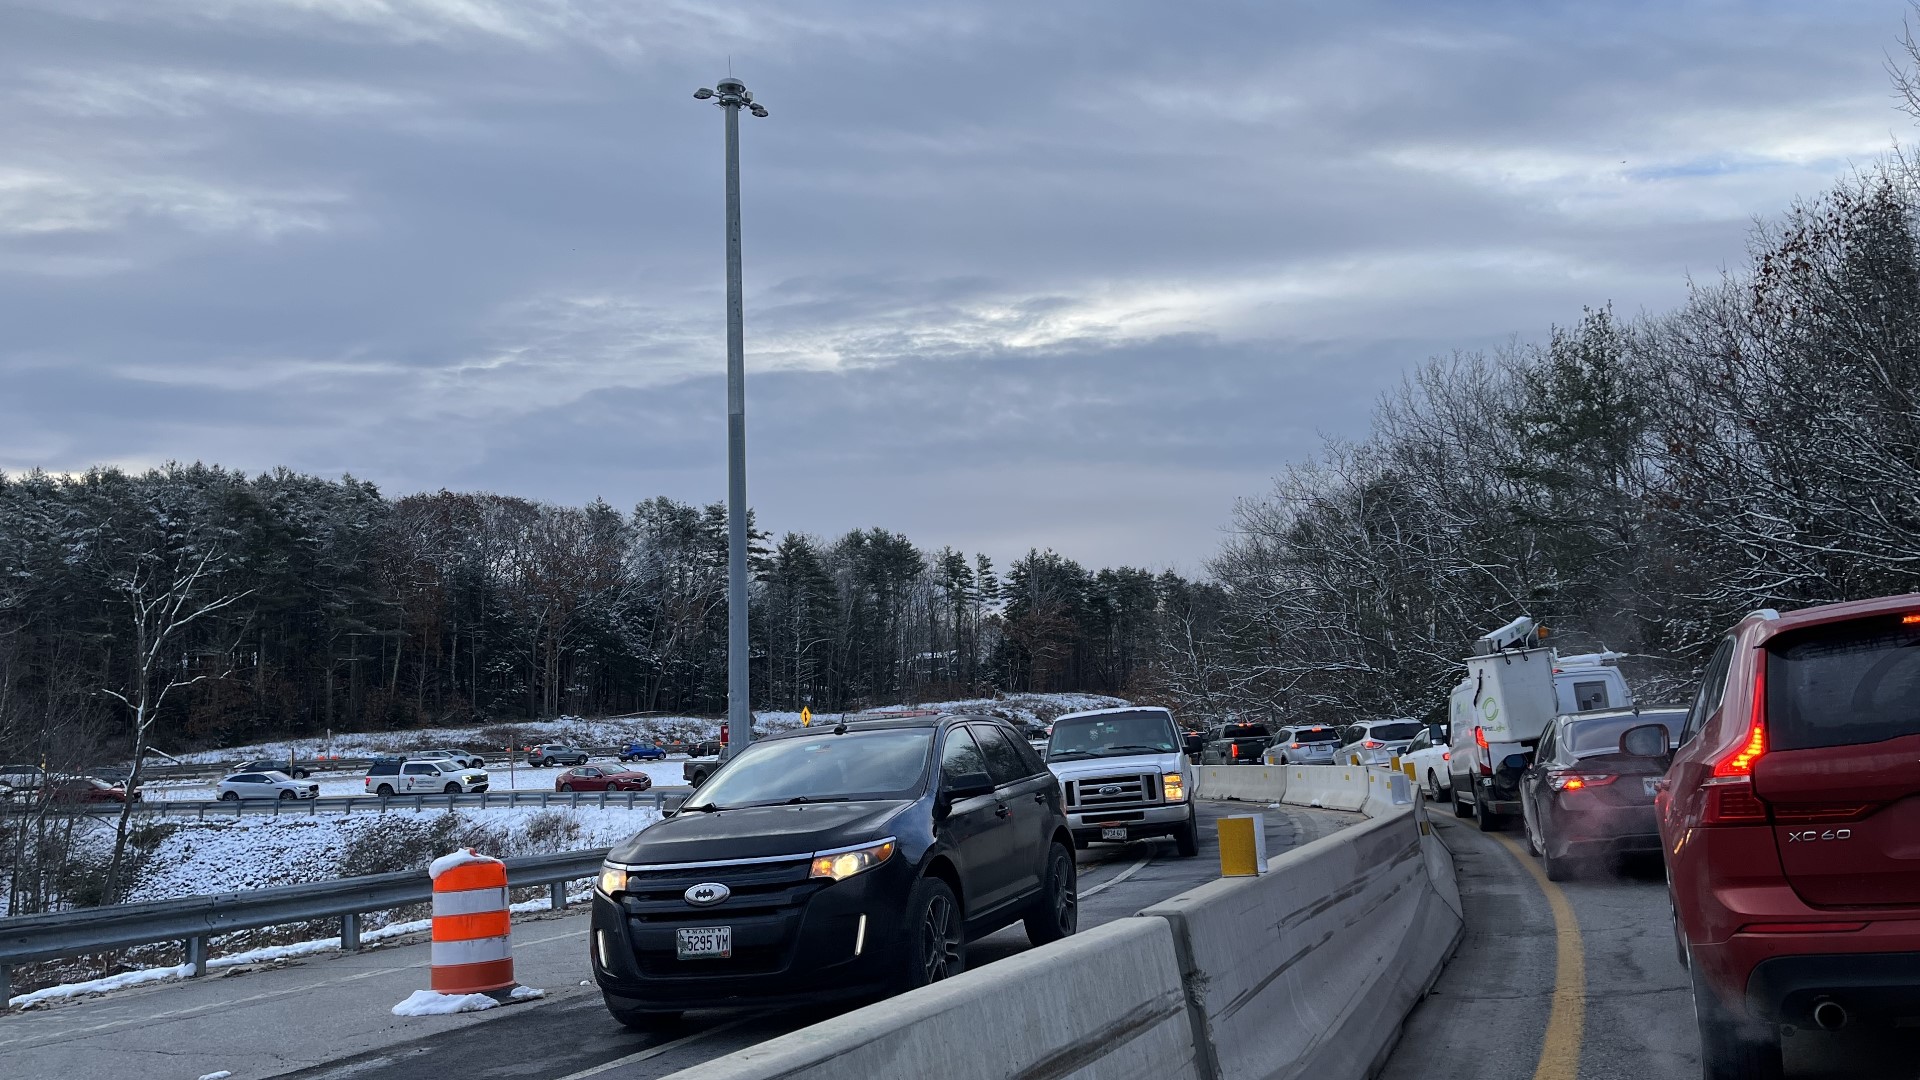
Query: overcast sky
{"points": [[1030, 274]]}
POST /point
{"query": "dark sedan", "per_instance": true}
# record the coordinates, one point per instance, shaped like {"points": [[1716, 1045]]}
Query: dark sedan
{"points": [[829, 862], [1585, 797], [593, 778]]}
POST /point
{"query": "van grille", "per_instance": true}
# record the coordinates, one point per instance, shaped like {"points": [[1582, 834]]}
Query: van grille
{"points": [[1105, 792]]}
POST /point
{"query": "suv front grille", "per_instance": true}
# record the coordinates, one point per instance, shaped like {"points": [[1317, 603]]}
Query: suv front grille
{"points": [[1103, 792]]}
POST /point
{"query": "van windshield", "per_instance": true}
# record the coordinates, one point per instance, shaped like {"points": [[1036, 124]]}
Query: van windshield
{"points": [[1844, 685], [1111, 735]]}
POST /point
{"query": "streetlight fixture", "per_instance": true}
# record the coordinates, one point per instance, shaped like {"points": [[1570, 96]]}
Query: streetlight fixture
{"points": [[731, 95]]}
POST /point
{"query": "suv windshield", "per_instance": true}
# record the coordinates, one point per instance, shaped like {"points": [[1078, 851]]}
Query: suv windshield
{"points": [[822, 768], [1844, 685], [1113, 735]]}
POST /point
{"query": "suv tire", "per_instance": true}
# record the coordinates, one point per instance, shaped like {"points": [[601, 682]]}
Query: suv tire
{"points": [[1732, 1048], [1056, 911], [639, 1019], [1186, 838], [936, 935], [229, 796], [385, 791]]}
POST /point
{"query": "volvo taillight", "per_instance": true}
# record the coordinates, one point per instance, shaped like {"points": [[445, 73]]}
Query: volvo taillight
{"points": [[1729, 791]]}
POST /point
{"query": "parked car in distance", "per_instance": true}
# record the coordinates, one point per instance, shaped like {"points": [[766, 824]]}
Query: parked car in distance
{"points": [[462, 758], [19, 783], [851, 860], [265, 785], [390, 776], [1235, 744], [555, 754], [87, 789], [1125, 776], [1306, 744], [1375, 742], [1788, 817], [592, 778], [1429, 753], [272, 765], [642, 751], [1586, 796]]}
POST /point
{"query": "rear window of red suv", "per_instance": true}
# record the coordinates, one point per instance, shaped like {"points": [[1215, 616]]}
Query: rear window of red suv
{"points": [[1844, 684]]}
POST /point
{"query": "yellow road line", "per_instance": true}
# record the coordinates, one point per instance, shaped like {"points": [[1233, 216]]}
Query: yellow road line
{"points": [[1566, 1022]]}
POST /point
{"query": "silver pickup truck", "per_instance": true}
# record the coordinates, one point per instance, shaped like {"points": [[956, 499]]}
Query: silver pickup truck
{"points": [[1125, 775]]}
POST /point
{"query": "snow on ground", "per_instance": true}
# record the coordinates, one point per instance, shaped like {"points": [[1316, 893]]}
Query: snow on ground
{"points": [[1037, 708], [199, 857]]}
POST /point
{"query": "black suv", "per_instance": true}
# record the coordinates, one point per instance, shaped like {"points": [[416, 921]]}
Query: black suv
{"points": [[830, 862], [1236, 744]]}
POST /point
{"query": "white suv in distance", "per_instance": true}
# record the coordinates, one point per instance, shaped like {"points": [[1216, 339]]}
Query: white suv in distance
{"points": [[265, 785], [1125, 776]]}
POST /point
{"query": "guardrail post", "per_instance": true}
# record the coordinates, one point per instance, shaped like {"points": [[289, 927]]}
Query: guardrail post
{"points": [[558, 891], [603, 798], [659, 802], [6, 987], [350, 932], [197, 954]]}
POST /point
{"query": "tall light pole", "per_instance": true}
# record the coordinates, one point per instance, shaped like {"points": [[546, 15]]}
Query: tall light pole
{"points": [[732, 95]]}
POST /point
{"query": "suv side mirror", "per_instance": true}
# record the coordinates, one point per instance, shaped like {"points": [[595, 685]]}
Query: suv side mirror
{"points": [[1647, 740], [968, 785]]}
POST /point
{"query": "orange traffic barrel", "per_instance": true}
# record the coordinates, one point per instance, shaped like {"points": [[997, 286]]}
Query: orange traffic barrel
{"points": [[472, 950]]}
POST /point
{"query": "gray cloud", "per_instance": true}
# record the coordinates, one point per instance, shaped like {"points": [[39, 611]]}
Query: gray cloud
{"points": [[1070, 274]]}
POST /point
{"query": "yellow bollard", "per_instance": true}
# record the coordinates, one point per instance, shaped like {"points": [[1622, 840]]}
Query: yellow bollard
{"points": [[1243, 846]]}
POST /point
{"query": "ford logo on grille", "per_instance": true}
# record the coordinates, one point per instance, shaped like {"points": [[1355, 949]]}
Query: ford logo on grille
{"points": [[1109, 789], [707, 894]]}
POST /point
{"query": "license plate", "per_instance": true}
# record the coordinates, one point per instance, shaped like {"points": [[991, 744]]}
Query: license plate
{"points": [[1652, 784], [696, 942], [1113, 834]]}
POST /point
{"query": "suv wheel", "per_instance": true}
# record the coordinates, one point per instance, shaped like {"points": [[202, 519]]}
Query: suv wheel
{"points": [[936, 939], [1433, 786], [1186, 839], [385, 791], [229, 796], [1732, 1048], [1056, 911], [638, 1019]]}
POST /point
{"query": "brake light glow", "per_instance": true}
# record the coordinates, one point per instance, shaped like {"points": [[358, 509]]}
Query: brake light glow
{"points": [[1740, 763], [1235, 749], [1910, 620], [1480, 737], [1295, 746], [1571, 781], [1446, 755], [1373, 745]]}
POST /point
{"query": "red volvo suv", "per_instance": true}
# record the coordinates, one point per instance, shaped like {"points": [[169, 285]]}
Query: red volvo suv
{"points": [[1791, 821]]}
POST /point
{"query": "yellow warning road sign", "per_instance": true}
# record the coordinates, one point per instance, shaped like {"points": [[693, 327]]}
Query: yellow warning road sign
{"points": [[806, 716]]}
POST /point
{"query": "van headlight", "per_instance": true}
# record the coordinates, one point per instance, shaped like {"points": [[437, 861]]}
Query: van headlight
{"points": [[841, 865], [1175, 786], [613, 879]]}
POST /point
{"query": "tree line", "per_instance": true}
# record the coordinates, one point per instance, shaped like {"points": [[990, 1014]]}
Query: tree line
{"points": [[1638, 484], [201, 606]]}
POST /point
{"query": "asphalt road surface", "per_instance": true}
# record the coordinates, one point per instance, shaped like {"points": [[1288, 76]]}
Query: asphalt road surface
{"points": [[1579, 980], [328, 1018]]}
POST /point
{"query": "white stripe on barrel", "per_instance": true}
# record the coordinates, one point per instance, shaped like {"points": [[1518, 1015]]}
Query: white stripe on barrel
{"points": [[469, 901], [477, 951]]}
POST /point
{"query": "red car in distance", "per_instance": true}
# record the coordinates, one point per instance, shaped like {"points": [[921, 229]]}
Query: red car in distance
{"points": [[594, 778], [87, 789]]}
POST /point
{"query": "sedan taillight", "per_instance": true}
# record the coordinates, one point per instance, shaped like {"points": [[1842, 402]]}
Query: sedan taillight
{"points": [[1573, 781]]}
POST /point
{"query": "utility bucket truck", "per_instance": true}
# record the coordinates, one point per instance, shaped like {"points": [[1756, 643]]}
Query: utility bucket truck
{"points": [[1514, 687]]}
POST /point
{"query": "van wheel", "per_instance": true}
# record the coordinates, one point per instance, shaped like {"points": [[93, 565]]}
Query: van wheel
{"points": [[1731, 1047], [1186, 839], [1460, 809], [1487, 820]]}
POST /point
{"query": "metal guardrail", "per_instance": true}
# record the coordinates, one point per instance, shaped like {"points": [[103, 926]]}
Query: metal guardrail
{"points": [[202, 809], [194, 919]]}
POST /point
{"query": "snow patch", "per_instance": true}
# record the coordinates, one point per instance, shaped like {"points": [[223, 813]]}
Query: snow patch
{"points": [[428, 1003], [221, 1075], [463, 857]]}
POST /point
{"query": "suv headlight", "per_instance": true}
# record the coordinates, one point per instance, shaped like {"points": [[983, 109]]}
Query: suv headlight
{"points": [[1175, 786], [841, 865], [613, 879]]}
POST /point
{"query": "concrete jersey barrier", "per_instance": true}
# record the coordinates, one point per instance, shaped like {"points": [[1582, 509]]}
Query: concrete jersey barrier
{"points": [[1308, 970], [1326, 787], [1101, 1005]]}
